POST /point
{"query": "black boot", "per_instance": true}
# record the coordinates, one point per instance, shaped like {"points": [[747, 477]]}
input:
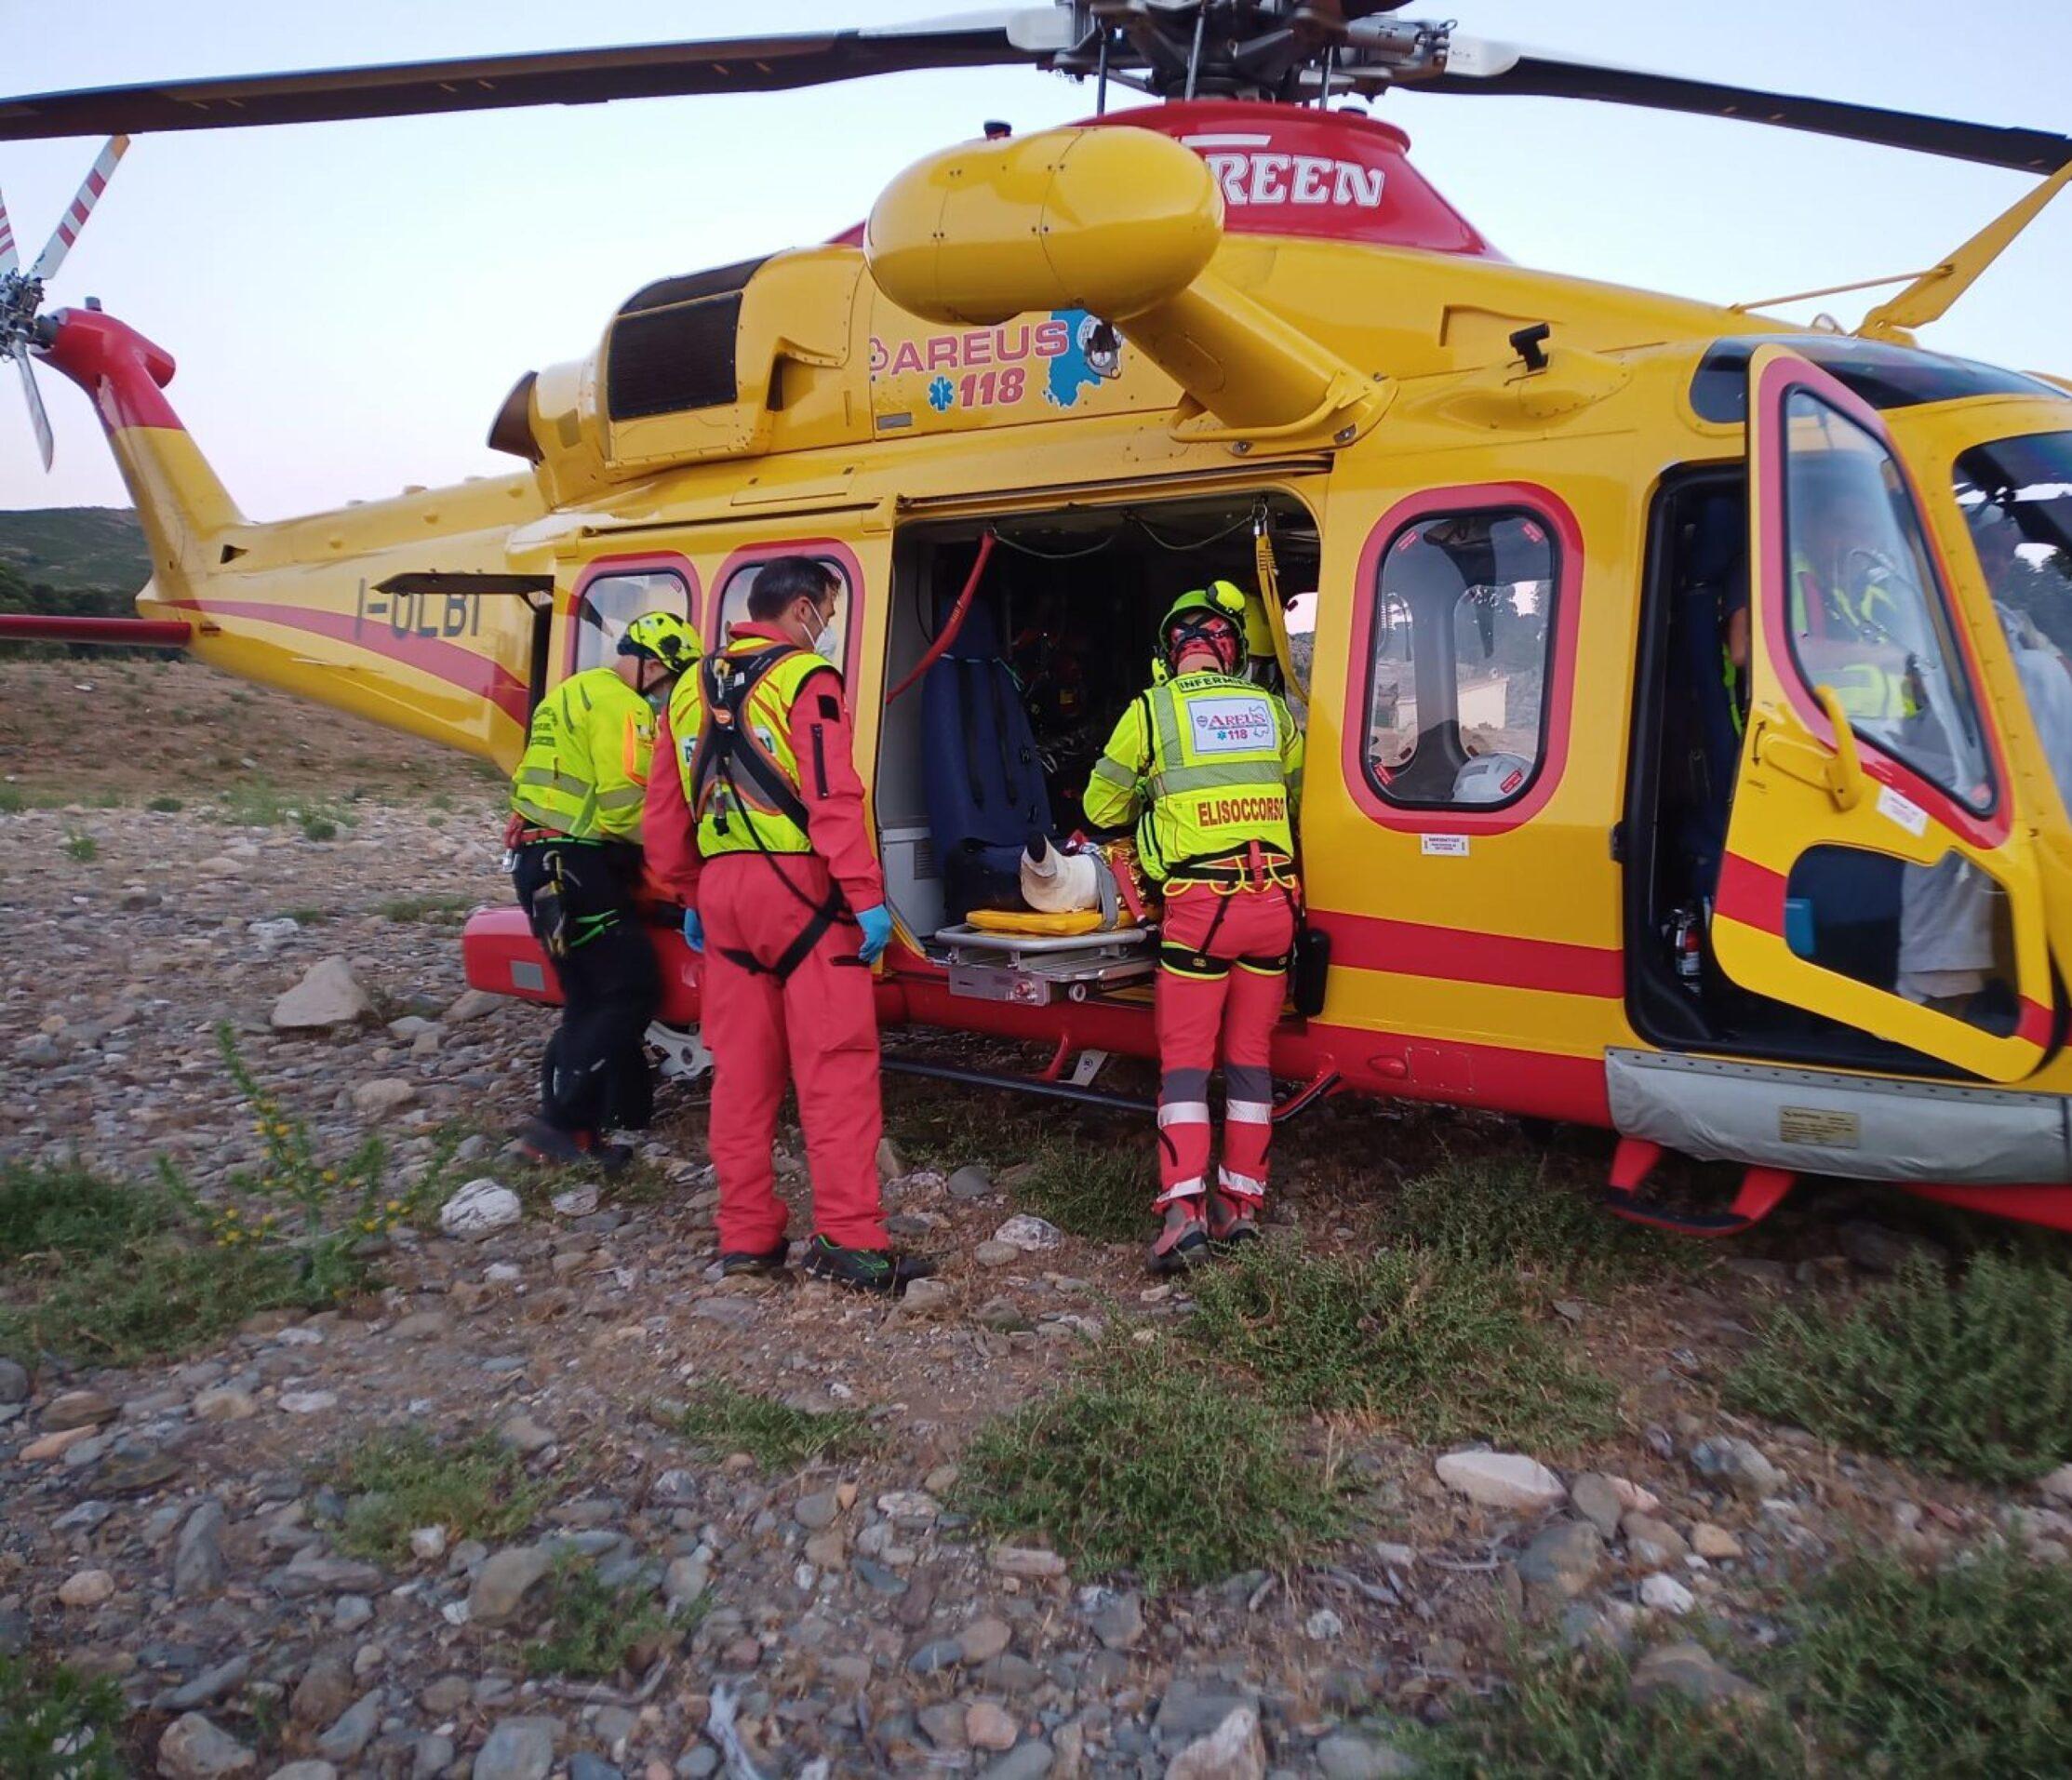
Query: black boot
{"points": [[881, 1270], [750, 1261]]}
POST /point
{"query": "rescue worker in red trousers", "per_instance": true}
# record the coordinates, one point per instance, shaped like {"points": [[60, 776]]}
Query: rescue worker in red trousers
{"points": [[1209, 766], [760, 834], [574, 840]]}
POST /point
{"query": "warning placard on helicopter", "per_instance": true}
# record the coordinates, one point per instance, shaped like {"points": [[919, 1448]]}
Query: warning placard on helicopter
{"points": [[1034, 367], [1820, 1125]]}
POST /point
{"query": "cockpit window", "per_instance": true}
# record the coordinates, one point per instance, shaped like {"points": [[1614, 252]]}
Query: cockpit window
{"points": [[2016, 498], [1863, 612], [1883, 375]]}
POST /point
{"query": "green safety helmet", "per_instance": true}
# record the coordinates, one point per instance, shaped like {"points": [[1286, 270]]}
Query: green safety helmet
{"points": [[1215, 615], [665, 637]]}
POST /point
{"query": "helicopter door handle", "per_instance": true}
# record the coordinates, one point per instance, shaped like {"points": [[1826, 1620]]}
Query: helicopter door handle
{"points": [[1785, 747]]}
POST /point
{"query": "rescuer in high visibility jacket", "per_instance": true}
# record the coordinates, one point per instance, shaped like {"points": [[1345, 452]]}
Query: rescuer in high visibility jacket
{"points": [[575, 859], [1209, 766], [760, 834], [1850, 623]]}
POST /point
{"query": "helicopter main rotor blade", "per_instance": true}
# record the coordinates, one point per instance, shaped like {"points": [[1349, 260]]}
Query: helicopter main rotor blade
{"points": [[553, 78], [1479, 65], [46, 441], [81, 206], [9, 259]]}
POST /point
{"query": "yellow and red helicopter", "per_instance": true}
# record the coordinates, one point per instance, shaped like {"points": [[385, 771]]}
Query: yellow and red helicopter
{"points": [[1689, 722]]}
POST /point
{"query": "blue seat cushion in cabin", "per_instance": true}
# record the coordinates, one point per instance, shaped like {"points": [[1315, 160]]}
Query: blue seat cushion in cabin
{"points": [[984, 780]]}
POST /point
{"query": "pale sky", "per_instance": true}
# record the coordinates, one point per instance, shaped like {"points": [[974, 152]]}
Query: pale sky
{"points": [[349, 302]]}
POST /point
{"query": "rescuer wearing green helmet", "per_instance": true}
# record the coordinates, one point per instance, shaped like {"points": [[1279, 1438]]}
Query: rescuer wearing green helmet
{"points": [[1209, 766], [575, 849]]}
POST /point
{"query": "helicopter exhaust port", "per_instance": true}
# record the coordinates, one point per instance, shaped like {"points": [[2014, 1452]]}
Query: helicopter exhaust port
{"points": [[1123, 224]]}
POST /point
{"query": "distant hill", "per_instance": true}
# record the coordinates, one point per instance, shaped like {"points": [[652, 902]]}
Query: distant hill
{"points": [[75, 549]]}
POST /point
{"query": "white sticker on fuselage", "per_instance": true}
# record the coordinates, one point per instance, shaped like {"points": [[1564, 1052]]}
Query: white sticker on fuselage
{"points": [[1234, 725], [1443, 845], [1897, 805]]}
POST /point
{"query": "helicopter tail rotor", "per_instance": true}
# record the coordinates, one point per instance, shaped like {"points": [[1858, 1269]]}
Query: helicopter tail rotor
{"points": [[21, 292], [45, 442]]}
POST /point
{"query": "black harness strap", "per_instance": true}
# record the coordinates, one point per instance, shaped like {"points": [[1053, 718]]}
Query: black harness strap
{"points": [[724, 742], [824, 916]]}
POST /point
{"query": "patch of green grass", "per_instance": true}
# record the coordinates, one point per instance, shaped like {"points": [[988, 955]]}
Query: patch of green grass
{"points": [[443, 909], [1966, 1672], [592, 1630], [258, 802], [65, 1210], [723, 1418], [57, 1725], [158, 1295], [1971, 1375], [404, 1478], [81, 846], [114, 1272], [1099, 1194], [1568, 1713], [1522, 1218], [12, 801], [1155, 1466], [1440, 1348], [163, 805], [310, 917]]}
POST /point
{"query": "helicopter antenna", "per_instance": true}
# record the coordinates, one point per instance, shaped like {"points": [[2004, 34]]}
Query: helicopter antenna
{"points": [[21, 292]]}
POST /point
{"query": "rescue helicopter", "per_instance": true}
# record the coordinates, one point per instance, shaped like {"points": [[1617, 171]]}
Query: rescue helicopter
{"points": [[1741, 644]]}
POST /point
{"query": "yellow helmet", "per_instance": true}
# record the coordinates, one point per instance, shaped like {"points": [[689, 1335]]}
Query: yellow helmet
{"points": [[665, 637], [1214, 614]]}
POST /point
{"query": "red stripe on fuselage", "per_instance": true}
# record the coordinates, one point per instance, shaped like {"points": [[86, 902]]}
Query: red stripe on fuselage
{"points": [[1458, 954], [463, 668], [1752, 894]]}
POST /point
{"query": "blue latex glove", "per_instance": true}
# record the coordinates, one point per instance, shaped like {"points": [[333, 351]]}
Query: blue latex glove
{"points": [[694, 931], [876, 924]]}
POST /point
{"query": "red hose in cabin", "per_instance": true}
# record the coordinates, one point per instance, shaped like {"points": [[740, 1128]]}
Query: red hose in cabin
{"points": [[954, 624]]}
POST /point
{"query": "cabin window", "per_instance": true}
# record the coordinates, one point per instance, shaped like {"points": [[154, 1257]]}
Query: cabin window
{"points": [[610, 602], [1463, 640], [733, 600], [1863, 611]]}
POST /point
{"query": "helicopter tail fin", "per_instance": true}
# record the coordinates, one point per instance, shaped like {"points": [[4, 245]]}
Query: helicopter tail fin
{"points": [[183, 506]]}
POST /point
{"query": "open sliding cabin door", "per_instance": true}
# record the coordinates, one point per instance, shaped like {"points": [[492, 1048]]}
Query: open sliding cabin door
{"points": [[1874, 873]]}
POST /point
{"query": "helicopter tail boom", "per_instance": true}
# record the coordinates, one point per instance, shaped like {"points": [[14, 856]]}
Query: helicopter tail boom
{"points": [[180, 499]]}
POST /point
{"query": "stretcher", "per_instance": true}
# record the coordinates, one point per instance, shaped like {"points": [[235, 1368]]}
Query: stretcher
{"points": [[1034, 969]]}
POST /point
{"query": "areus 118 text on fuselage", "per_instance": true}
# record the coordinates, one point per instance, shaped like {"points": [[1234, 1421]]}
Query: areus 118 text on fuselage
{"points": [[1687, 703]]}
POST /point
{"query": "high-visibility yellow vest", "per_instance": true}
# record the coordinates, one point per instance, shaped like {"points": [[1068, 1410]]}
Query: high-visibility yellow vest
{"points": [[1867, 691], [584, 769], [1207, 765], [746, 796]]}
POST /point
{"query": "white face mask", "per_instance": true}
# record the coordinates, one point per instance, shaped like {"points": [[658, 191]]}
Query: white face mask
{"points": [[827, 645]]}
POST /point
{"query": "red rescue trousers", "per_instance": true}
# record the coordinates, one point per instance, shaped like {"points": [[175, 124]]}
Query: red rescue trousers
{"points": [[818, 1025], [1222, 969]]}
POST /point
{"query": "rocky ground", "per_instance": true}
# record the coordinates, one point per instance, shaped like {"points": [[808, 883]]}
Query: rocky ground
{"points": [[176, 1525]]}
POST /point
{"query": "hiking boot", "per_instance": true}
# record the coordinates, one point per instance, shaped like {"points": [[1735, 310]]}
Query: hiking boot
{"points": [[1232, 1220], [544, 1143], [1184, 1242], [881, 1270], [750, 1261]]}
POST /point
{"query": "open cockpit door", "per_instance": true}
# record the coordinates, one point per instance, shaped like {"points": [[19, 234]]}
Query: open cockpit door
{"points": [[1875, 875]]}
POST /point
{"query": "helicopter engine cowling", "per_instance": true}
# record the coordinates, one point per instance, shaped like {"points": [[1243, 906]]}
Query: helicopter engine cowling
{"points": [[1121, 222], [1109, 221]]}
